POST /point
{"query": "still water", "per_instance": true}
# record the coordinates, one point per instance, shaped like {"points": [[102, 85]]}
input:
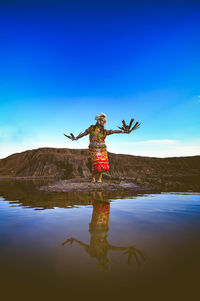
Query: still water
{"points": [[98, 245]]}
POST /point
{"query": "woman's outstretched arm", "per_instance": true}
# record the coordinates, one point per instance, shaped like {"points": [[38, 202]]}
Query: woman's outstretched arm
{"points": [[87, 131], [110, 132]]}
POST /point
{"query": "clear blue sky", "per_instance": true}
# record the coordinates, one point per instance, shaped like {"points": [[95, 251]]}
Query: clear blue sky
{"points": [[63, 62]]}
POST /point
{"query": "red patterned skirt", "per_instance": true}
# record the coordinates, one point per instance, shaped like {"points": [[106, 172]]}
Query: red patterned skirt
{"points": [[99, 159]]}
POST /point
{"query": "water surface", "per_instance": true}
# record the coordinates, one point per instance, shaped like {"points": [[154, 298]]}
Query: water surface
{"points": [[98, 245]]}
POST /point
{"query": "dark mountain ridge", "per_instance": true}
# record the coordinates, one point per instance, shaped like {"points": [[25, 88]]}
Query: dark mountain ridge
{"points": [[66, 163]]}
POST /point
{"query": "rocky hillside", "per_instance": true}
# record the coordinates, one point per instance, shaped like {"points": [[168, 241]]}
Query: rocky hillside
{"points": [[73, 163]]}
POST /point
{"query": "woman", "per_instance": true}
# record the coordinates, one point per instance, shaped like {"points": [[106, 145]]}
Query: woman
{"points": [[97, 147]]}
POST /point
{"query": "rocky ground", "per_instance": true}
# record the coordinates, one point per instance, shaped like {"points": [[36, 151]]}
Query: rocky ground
{"points": [[80, 185], [86, 185]]}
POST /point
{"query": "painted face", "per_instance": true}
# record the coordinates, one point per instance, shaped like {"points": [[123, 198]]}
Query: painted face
{"points": [[102, 122]]}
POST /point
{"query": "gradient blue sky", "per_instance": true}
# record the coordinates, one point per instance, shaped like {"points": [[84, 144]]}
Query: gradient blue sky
{"points": [[63, 62]]}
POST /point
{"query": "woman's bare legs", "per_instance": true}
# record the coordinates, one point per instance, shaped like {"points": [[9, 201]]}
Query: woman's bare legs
{"points": [[93, 177], [100, 177], [100, 174]]}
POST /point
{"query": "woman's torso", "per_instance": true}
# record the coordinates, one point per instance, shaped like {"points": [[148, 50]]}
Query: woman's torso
{"points": [[97, 137]]}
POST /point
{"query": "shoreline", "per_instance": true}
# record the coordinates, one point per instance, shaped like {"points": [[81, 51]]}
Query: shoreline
{"points": [[84, 185], [56, 184]]}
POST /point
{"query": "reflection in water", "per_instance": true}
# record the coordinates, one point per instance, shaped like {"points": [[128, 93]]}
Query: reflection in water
{"points": [[98, 228], [26, 194], [32, 259]]}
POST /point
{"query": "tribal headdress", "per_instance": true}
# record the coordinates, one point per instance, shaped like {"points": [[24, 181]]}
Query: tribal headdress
{"points": [[102, 116]]}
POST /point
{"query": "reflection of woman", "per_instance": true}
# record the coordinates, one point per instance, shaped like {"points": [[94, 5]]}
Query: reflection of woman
{"points": [[97, 147], [99, 245]]}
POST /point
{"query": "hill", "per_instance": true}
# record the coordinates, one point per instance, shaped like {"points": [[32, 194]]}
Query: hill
{"points": [[63, 163]]}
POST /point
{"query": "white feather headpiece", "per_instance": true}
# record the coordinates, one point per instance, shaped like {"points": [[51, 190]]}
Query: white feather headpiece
{"points": [[101, 116]]}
